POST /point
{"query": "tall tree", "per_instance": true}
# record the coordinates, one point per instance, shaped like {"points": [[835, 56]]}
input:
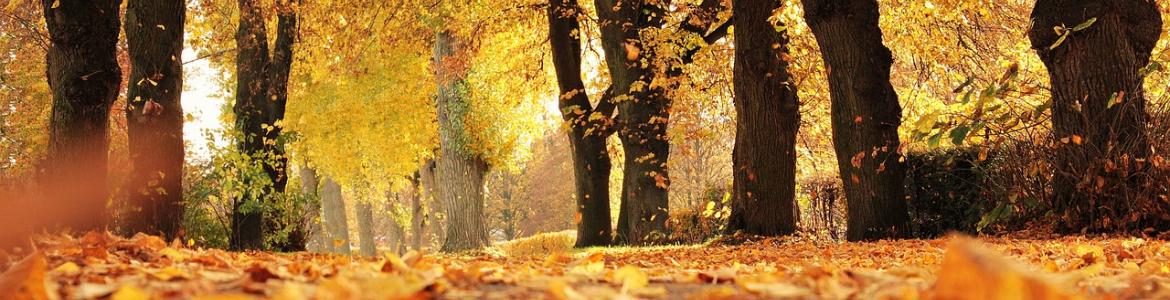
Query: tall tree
{"points": [[865, 115], [315, 226], [459, 171], [84, 77], [768, 117], [154, 115], [261, 95], [1095, 60], [589, 126], [417, 215], [365, 219], [643, 104], [336, 220]]}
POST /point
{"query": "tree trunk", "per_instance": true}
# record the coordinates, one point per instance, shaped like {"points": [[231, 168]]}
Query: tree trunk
{"points": [[768, 117], [643, 119], [397, 235], [261, 94], [365, 217], [84, 76], [644, 112], [336, 221], [589, 127], [417, 215], [398, 246], [459, 172], [316, 228], [865, 115], [1099, 109], [251, 88], [154, 115], [433, 223]]}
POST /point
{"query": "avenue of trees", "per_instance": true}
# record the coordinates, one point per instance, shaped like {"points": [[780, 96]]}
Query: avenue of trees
{"points": [[425, 121]]}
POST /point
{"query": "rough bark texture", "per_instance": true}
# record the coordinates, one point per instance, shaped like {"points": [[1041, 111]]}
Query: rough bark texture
{"points": [[865, 115], [644, 111], [459, 172], [764, 157], [417, 215], [154, 115], [84, 76], [336, 221], [1099, 109], [432, 227], [396, 234], [367, 247], [643, 115], [261, 94], [589, 127], [315, 226]]}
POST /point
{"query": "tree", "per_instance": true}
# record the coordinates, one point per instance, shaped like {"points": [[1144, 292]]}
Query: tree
{"points": [[768, 117], [589, 126], [1095, 59], [367, 247], [865, 115], [84, 77], [261, 95], [154, 32], [459, 172], [316, 228], [641, 69], [336, 220]]}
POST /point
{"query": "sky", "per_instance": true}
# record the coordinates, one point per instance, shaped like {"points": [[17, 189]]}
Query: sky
{"points": [[201, 103]]}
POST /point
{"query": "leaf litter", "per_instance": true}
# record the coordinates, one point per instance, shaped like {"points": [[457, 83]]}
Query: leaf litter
{"points": [[104, 266]]}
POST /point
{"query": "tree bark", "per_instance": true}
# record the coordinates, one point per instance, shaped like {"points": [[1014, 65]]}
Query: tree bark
{"points": [[459, 172], [589, 127], [644, 108], [336, 221], [865, 115], [1099, 113], [767, 120], [316, 228], [154, 115], [416, 210], [84, 78], [643, 118], [397, 235], [261, 94], [367, 247]]}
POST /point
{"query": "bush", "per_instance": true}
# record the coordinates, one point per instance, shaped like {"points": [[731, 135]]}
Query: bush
{"points": [[947, 190], [822, 207], [692, 225], [540, 244]]}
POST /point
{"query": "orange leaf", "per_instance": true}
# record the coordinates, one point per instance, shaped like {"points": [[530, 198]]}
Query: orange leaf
{"points": [[25, 280]]}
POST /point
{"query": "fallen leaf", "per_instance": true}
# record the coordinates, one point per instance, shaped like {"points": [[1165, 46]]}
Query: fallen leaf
{"points": [[26, 279]]}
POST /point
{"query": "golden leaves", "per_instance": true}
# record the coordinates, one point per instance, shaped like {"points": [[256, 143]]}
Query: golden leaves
{"points": [[632, 51], [790, 267], [971, 272], [26, 279]]}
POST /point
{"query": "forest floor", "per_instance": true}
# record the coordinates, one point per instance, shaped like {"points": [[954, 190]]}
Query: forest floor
{"points": [[104, 266]]}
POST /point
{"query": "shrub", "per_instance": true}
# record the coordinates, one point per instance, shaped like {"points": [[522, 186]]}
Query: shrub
{"points": [[947, 190], [692, 225], [540, 244], [822, 207]]}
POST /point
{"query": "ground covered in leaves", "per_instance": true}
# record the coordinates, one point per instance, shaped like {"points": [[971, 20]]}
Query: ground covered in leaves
{"points": [[103, 266]]}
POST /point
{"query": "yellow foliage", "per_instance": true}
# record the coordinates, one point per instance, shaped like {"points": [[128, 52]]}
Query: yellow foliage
{"points": [[540, 244]]}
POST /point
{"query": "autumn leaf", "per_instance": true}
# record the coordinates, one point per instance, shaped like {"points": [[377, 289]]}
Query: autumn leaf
{"points": [[26, 279], [632, 51], [971, 272], [631, 278]]}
